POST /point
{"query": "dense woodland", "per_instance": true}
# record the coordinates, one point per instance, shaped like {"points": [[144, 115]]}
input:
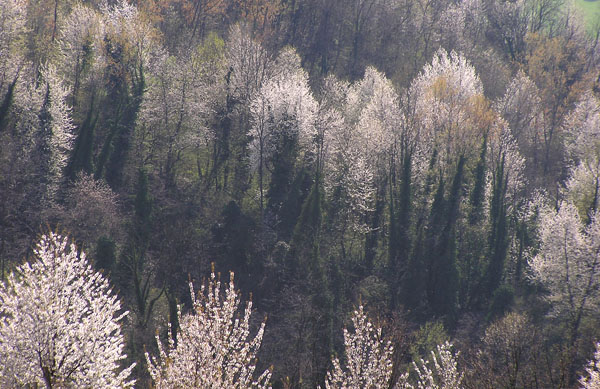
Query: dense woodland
{"points": [[435, 161]]}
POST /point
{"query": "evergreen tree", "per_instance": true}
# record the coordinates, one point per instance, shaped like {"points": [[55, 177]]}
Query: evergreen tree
{"points": [[7, 102], [123, 132], [443, 276], [415, 281], [83, 149], [477, 198], [105, 254], [498, 240], [312, 273], [400, 242]]}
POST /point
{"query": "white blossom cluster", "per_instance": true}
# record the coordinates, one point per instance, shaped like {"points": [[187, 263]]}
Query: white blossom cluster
{"points": [[445, 95], [174, 110], [249, 63], [504, 151], [284, 104], [368, 363], [213, 348], [583, 131], [583, 146], [521, 107], [380, 118], [368, 358], [360, 147], [60, 127], [441, 372], [568, 263], [12, 28], [80, 43], [120, 14], [124, 22], [59, 323], [592, 378], [349, 176]]}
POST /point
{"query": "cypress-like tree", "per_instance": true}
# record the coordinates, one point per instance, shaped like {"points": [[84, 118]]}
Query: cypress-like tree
{"points": [[105, 254], [443, 274], [415, 281], [7, 103], [305, 252], [130, 271], [375, 220], [283, 162], [82, 155], [472, 251], [477, 198], [498, 240], [400, 244], [121, 140]]}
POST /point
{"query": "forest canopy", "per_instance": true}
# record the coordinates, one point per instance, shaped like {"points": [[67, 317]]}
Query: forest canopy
{"points": [[407, 191]]}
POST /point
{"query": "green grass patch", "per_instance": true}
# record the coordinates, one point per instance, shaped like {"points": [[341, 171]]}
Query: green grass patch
{"points": [[590, 11]]}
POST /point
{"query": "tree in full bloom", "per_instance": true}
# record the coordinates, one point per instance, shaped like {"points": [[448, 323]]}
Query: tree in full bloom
{"points": [[56, 130], [283, 114], [441, 372], [368, 358], [59, 323], [592, 378], [583, 147], [361, 147], [521, 108], [249, 62], [447, 100], [213, 348], [174, 110], [568, 264], [12, 22], [80, 43]]}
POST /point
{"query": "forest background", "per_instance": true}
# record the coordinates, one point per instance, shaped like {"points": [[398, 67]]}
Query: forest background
{"points": [[436, 161]]}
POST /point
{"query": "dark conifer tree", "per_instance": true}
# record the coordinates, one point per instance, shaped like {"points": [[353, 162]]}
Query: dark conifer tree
{"points": [[498, 239], [7, 102], [82, 154]]}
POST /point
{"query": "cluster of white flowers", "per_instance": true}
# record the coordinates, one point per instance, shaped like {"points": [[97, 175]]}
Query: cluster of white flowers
{"points": [[249, 62], [125, 22], [583, 145], [80, 34], [592, 378], [583, 135], [284, 103], [59, 323], [213, 348], [368, 358], [349, 176], [380, 118], [12, 27], [444, 96], [521, 108], [174, 110], [505, 150], [359, 148], [568, 263], [120, 15], [369, 363], [441, 372], [60, 126]]}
